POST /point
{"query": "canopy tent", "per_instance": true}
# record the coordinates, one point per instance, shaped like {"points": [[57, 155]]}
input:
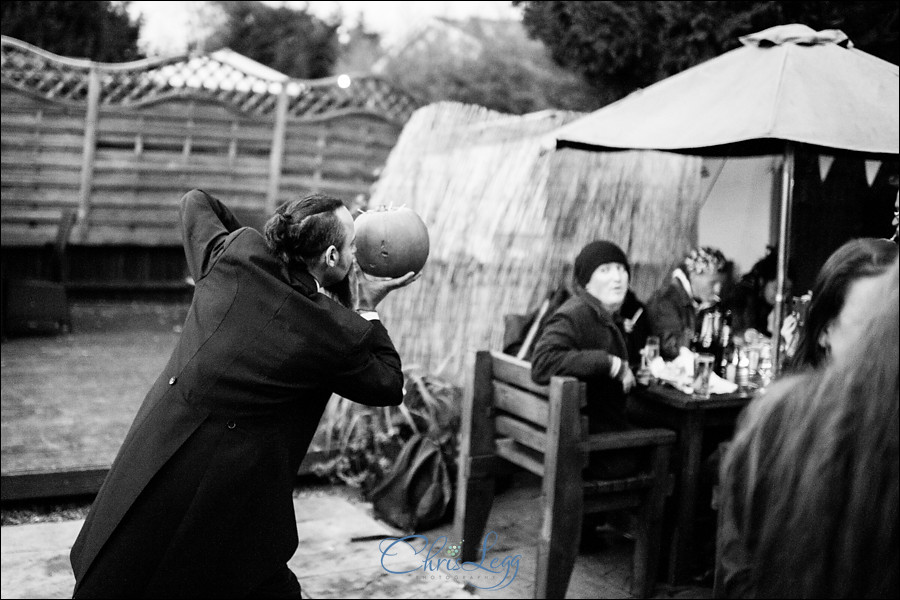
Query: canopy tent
{"points": [[786, 85]]}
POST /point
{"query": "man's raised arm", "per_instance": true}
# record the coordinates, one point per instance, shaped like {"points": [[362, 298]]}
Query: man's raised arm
{"points": [[205, 223]]}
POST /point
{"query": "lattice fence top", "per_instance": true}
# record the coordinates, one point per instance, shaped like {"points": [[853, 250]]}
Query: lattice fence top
{"points": [[145, 82]]}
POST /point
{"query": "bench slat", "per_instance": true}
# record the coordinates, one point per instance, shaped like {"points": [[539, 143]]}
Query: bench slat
{"points": [[522, 432], [507, 449], [629, 439], [521, 403], [614, 501], [602, 486], [516, 372]]}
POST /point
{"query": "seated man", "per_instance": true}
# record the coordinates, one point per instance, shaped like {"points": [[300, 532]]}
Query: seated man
{"points": [[596, 336], [695, 284]]}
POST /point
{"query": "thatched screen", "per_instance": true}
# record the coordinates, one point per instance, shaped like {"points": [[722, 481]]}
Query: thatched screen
{"points": [[506, 220]]}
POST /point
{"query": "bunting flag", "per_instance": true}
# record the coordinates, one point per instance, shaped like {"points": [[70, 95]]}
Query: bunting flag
{"points": [[872, 167], [825, 163]]}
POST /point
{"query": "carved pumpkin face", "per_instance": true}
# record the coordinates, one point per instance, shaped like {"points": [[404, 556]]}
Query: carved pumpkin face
{"points": [[391, 242]]}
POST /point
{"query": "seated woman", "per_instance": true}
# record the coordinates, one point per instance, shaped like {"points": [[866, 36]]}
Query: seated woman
{"points": [[841, 300], [673, 309], [596, 336], [752, 303], [810, 481]]}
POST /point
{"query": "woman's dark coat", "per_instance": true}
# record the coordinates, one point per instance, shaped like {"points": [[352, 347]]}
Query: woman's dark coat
{"points": [[199, 499], [580, 340]]}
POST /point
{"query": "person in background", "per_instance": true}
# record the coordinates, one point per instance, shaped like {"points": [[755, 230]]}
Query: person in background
{"points": [[841, 301], [810, 481], [596, 336], [673, 309], [753, 301]]}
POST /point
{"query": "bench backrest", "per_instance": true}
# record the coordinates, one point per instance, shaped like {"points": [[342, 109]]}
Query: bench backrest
{"points": [[531, 423]]}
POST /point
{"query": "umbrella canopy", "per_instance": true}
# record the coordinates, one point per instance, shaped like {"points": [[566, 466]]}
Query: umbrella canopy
{"points": [[785, 83]]}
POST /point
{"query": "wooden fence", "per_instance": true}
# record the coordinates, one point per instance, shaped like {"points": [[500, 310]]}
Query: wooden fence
{"points": [[121, 143]]}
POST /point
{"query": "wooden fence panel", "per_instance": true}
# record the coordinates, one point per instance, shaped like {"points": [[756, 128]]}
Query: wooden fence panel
{"points": [[41, 163], [151, 156], [155, 137]]}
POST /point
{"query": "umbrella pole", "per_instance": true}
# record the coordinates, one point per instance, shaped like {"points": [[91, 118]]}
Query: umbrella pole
{"points": [[787, 197]]}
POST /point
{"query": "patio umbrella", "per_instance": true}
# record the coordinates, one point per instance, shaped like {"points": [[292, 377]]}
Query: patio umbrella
{"points": [[786, 85]]}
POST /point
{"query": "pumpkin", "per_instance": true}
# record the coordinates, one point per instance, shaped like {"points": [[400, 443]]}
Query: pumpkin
{"points": [[391, 242]]}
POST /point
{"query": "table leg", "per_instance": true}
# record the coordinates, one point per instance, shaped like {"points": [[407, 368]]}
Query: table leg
{"points": [[689, 447]]}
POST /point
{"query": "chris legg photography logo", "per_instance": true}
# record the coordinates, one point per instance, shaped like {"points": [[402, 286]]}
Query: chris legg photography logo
{"points": [[440, 560]]}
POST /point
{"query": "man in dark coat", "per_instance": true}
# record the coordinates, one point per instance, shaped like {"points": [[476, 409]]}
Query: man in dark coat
{"points": [[596, 336], [198, 502]]}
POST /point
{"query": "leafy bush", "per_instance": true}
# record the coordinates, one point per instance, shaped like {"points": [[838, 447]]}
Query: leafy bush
{"points": [[367, 439]]}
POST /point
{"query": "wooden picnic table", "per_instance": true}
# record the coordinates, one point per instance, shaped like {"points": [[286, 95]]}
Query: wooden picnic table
{"points": [[692, 418]]}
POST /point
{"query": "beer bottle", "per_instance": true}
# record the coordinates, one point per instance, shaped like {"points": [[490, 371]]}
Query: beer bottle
{"points": [[710, 321], [742, 372], [726, 347]]}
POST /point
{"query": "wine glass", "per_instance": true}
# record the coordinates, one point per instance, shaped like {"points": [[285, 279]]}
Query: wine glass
{"points": [[650, 351], [651, 348]]}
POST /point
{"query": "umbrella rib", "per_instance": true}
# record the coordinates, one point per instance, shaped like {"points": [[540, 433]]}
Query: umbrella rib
{"points": [[773, 113]]}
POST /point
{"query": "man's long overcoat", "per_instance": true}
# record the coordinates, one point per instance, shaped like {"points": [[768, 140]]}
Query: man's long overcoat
{"points": [[198, 501]]}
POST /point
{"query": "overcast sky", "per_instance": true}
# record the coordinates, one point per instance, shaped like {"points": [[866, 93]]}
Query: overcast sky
{"points": [[167, 24]]}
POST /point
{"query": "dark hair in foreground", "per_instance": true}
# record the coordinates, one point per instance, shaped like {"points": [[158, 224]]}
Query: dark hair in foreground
{"points": [[863, 257], [303, 229], [811, 476]]}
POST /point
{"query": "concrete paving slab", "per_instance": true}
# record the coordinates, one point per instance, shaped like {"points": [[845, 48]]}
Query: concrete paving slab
{"points": [[35, 560]]}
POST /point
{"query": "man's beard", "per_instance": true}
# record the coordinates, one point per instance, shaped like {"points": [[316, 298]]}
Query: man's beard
{"points": [[341, 291]]}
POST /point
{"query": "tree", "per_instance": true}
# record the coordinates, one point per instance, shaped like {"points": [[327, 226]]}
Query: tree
{"points": [[621, 46], [485, 62], [100, 31], [292, 41], [360, 48]]}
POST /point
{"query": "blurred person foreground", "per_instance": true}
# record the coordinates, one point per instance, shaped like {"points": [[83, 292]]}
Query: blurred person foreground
{"points": [[810, 481]]}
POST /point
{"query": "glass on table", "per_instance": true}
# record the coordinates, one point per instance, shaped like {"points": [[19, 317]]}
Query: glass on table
{"points": [[648, 353], [703, 368], [800, 308], [765, 369], [753, 353]]}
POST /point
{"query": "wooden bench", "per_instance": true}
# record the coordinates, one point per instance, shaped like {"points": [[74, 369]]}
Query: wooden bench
{"points": [[33, 304], [541, 428]]}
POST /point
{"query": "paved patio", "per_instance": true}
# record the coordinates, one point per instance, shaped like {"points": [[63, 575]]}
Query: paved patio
{"points": [[328, 562], [340, 556]]}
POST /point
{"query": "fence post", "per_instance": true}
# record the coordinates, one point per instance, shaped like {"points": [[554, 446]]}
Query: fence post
{"points": [[277, 154], [89, 149]]}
